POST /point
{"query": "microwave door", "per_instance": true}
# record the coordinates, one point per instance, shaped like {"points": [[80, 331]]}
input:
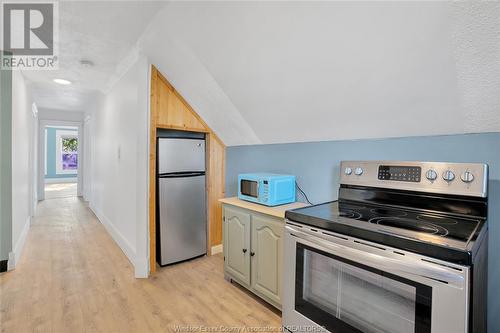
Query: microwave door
{"points": [[249, 188]]}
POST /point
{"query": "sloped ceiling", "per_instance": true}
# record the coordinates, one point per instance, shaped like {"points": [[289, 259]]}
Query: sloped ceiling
{"points": [[272, 72]]}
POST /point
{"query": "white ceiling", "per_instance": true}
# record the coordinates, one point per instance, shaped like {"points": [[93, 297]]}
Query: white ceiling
{"points": [[275, 72], [271, 72], [100, 31]]}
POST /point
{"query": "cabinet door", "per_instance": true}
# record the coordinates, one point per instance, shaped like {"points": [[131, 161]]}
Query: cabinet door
{"points": [[237, 244], [267, 251]]}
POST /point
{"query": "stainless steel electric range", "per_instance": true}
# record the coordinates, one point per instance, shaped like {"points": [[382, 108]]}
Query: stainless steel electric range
{"points": [[403, 250]]}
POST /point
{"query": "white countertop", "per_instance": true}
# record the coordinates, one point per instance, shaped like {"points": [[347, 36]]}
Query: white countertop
{"points": [[277, 211]]}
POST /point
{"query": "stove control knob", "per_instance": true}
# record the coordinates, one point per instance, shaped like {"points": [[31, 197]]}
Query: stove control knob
{"points": [[431, 175], [348, 171], [467, 177], [358, 171], [448, 175]]}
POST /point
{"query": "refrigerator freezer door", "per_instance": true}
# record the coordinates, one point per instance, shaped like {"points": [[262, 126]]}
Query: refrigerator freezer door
{"points": [[175, 155], [183, 218]]}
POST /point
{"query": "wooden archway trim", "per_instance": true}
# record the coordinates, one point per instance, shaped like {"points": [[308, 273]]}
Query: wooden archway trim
{"points": [[170, 110]]}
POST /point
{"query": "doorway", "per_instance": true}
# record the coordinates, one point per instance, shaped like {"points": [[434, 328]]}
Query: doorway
{"points": [[61, 161], [60, 147]]}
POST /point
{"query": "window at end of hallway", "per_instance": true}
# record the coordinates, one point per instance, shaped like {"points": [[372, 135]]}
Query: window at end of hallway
{"points": [[69, 153]]}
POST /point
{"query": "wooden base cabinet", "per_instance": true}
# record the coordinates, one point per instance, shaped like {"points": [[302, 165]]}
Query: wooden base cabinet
{"points": [[253, 251]]}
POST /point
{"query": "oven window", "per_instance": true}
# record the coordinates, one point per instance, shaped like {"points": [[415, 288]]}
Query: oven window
{"points": [[249, 188], [344, 296]]}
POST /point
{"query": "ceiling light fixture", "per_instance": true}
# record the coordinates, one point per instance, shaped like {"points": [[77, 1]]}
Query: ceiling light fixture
{"points": [[86, 63], [62, 81]]}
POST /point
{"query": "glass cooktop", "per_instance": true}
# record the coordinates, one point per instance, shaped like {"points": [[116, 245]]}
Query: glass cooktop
{"points": [[434, 224], [430, 227]]}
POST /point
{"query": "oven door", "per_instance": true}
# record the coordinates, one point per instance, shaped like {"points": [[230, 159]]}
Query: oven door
{"points": [[344, 285]]}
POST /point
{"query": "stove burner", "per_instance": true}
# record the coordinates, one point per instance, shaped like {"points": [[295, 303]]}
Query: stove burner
{"points": [[410, 224], [437, 219], [348, 213], [389, 212]]}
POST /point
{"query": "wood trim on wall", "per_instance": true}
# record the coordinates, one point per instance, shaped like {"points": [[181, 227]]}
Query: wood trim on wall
{"points": [[169, 110]]}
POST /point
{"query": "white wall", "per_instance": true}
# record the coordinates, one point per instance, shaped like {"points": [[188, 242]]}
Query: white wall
{"points": [[23, 128], [119, 154], [60, 115]]}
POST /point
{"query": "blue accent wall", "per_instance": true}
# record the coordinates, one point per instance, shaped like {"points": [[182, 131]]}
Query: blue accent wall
{"points": [[51, 154], [316, 165]]}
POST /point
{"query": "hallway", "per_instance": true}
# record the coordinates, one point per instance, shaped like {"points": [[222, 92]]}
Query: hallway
{"points": [[72, 277], [60, 190]]}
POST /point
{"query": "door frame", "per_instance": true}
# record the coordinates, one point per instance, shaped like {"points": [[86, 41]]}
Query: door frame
{"points": [[33, 160], [87, 159], [41, 156]]}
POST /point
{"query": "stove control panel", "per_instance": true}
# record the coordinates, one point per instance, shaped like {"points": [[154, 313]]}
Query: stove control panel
{"points": [[468, 179], [399, 173]]}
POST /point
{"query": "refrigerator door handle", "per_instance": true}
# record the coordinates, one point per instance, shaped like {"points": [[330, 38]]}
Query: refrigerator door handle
{"points": [[182, 174]]}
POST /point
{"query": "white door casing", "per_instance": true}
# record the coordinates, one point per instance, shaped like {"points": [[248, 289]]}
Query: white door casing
{"points": [[41, 154]]}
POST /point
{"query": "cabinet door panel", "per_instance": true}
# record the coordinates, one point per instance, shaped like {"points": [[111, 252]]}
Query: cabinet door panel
{"points": [[237, 244], [267, 260]]}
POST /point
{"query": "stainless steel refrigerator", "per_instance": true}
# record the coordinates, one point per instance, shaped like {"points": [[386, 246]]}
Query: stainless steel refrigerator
{"points": [[181, 199]]}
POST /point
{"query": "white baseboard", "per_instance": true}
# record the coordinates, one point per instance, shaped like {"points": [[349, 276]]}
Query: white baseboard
{"points": [[217, 249], [60, 180], [11, 262], [141, 266], [15, 255]]}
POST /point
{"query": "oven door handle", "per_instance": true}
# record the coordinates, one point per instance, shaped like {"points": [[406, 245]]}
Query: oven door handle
{"points": [[418, 268]]}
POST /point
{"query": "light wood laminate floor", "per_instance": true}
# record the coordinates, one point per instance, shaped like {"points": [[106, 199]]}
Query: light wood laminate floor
{"points": [[60, 190], [72, 277]]}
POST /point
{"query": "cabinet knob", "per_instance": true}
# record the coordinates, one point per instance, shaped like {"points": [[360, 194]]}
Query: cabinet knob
{"points": [[252, 254], [244, 250]]}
